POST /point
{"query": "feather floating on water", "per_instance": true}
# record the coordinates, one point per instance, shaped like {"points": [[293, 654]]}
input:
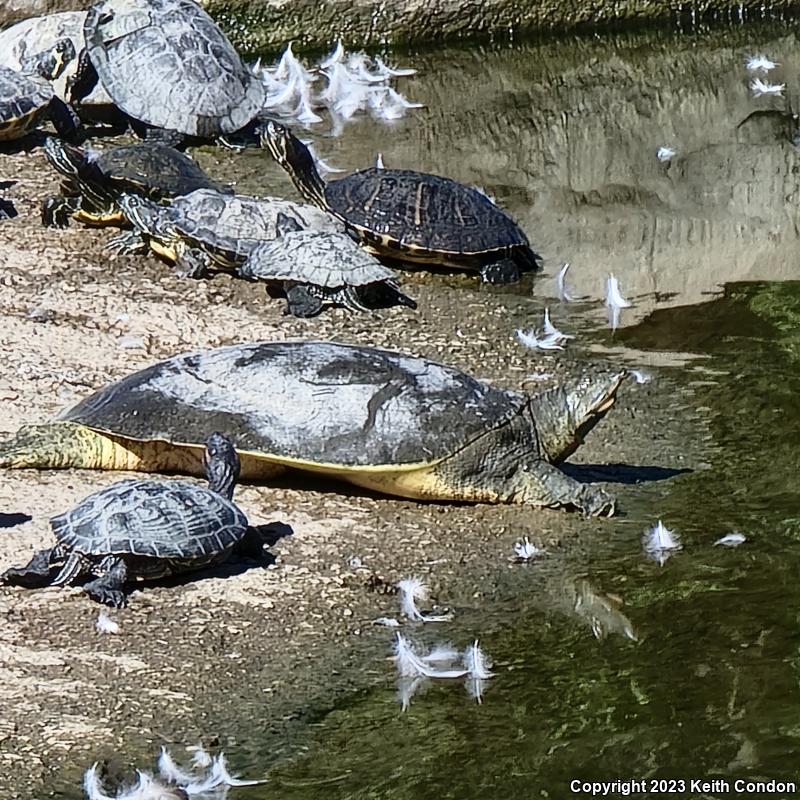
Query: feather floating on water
{"points": [[665, 153], [334, 57], [760, 63], [640, 376], [525, 550], [760, 88], [379, 161], [411, 590], [561, 284], [410, 665], [615, 302], [732, 539], [660, 543], [387, 622], [476, 663], [442, 654]]}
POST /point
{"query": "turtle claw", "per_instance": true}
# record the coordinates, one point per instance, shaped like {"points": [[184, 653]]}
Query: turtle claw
{"points": [[598, 502], [100, 592]]}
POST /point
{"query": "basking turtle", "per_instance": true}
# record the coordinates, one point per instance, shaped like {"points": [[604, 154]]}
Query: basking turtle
{"points": [[206, 230], [26, 97], [38, 34], [94, 180], [387, 421], [411, 216], [144, 529], [166, 64], [315, 267]]}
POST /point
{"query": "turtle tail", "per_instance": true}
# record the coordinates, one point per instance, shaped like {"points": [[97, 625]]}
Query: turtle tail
{"points": [[60, 445]]}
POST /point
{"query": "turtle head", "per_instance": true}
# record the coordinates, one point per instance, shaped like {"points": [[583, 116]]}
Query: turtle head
{"points": [[51, 63], [565, 414], [145, 215], [296, 159], [64, 157], [221, 464]]}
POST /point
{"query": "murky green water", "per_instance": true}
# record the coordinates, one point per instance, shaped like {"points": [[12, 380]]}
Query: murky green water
{"points": [[565, 134]]}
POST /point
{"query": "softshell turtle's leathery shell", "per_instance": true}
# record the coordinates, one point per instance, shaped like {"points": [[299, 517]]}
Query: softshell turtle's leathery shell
{"points": [[310, 402], [167, 64]]}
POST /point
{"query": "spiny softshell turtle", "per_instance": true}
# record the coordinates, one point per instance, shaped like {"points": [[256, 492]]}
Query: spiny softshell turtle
{"points": [[388, 421]]}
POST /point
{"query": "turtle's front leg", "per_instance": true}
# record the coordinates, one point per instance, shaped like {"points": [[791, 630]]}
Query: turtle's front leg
{"points": [[110, 587], [57, 210], [301, 301], [542, 484], [36, 573], [193, 263], [128, 243]]}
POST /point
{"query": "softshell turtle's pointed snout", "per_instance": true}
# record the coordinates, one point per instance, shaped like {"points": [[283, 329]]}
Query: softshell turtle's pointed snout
{"points": [[565, 415]]}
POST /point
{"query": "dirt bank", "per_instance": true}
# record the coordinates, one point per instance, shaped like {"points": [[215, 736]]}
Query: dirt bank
{"points": [[252, 644]]}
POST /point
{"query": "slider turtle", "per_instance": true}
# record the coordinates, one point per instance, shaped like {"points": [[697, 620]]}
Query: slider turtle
{"points": [[411, 216], [168, 66], [26, 96], [206, 230], [388, 421], [144, 529], [315, 267], [95, 179]]}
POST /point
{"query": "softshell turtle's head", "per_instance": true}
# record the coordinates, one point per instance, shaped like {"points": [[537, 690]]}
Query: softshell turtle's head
{"points": [[565, 414]]}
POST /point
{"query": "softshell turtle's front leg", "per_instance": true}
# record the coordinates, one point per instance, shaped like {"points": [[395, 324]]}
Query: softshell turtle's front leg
{"points": [[546, 486], [109, 588], [36, 573]]}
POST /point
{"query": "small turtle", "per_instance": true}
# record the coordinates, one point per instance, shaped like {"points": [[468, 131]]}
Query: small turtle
{"points": [[145, 529], [387, 421], [411, 216], [26, 97], [94, 180], [206, 230], [167, 65], [315, 267]]}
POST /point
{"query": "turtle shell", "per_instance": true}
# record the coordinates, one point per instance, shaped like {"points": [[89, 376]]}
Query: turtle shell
{"points": [[237, 223], [167, 64], [417, 211], [23, 99], [329, 260], [318, 403], [155, 170], [158, 519], [37, 34]]}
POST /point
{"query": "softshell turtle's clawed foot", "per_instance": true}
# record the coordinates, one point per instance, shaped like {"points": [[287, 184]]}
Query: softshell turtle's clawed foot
{"points": [[545, 485]]}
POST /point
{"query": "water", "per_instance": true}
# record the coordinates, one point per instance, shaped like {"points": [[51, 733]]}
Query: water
{"points": [[564, 133]]}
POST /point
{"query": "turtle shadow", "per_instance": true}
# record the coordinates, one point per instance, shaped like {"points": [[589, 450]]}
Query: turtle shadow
{"points": [[237, 563], [620, 473], [12, 520]]}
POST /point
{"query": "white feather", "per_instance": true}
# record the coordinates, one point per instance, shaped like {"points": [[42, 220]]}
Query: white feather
{"points": [[410, 665], [551, 332], [530, 339], [442, 654], [475, 688], [411, 590], [392, 72], [92, 785], [407, 688], [660, 543], [525, 550], [760, 63], [665, 153], [732, 539], [640, 376], [171, 772], [334, 57], [105, 624], [760, 88], [615, 302], [476, 663], [561, 284], [379, 162], [200, 758], [387, 622]]}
